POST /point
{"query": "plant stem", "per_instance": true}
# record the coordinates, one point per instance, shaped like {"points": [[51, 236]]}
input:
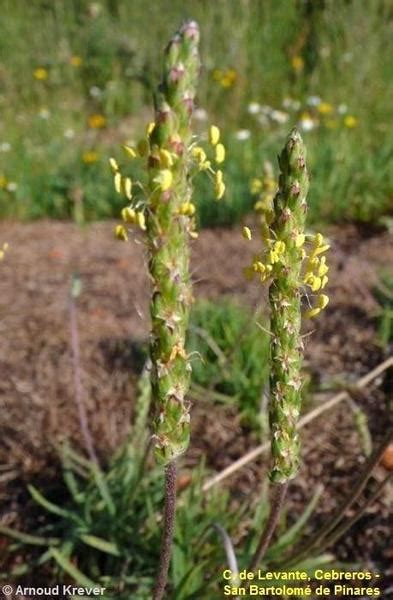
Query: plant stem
{"points": [[279, 493], [167, 536], [76, 363]]}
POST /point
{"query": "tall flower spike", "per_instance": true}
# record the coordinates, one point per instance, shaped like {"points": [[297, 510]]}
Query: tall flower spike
{"points": [[167, 227], [287, 227]]}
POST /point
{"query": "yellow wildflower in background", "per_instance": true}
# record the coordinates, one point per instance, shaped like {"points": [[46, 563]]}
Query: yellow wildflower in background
{"points": [[3, 182], [350, 121], [76, 60], [90, 157], [297, 63], [226, 77], [96, 121], [325, 108], [40, 74]]}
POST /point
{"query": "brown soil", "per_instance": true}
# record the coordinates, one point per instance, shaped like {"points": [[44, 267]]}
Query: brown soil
{"points": [[37, 392]]}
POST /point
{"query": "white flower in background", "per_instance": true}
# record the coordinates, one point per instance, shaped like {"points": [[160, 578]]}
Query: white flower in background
{"points": [[200, 114], [279, 116], [291, 104], [44, 114], [95, 92], [342, 109], [242, 134], [266, 110], [69, 134], [12, 186], [313, 100], [254, 108], [5, 147], [306, 123]]}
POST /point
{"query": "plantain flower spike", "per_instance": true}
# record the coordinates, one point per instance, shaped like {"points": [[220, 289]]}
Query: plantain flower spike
{"points": [[168, 226], [288, 266]]}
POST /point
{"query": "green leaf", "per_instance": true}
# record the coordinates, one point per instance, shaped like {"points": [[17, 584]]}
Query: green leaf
{"points": [[290, 536], [26, 538], [100, 544], [49, 506], [103, 489], [71, 569]]}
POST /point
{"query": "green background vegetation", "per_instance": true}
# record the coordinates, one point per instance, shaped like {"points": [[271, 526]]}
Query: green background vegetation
{"points": [[102, 58]]}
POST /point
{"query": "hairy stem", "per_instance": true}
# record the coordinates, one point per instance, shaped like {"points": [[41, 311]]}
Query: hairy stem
{"points": [[279, 493], [76, 363], [167, 536]]}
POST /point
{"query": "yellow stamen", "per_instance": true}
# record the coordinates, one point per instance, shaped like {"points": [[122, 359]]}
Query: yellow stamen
{"points": [[117, 181], [113, 164], [214, 135], [313, 312], [140, 219], [164, 179], [127, 187], [323, 301], [299, 240], [130, 151], [149, 128], [247, 233], [220, 153], [166, 158], [121, 233], [128, 215]]}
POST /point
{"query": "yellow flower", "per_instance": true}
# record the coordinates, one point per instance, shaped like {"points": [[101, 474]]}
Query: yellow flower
{"points": [[279, 247], [219, 190], [3, 182], [350, 121], [220, 153], [128, 215], [325, 108], [117, 182], [40, 74], [247, 233], [90, 157], [164, 179], [323, 301], [297, 63], [113, 164], [127, 183], [299, 240], [214, 135], [96, 121], [130, 151], [313, 312], [121, 233], [219, 176], [76, 61], [187, 209], [140, 219], [166, 158], [199, 154], [149, 128], [255, 185], [226, 78]]}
